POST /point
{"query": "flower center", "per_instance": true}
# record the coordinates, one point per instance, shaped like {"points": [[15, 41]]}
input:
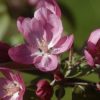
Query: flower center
{"points": [[43, 46], [11, 89]]}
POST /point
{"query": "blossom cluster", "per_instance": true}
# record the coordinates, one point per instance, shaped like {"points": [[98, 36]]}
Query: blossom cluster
{"points": [[44, 42]]}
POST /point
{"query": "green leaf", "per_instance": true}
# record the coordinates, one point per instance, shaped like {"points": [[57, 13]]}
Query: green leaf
{"points": [[92, 77], [68, 94], [28, 78]]}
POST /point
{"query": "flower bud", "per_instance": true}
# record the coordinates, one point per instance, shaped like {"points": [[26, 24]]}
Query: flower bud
{"points": [[44, 90], [92, 52], [58, 76]]}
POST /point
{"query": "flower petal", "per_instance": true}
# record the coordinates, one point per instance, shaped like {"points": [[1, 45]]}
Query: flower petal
{"points": [[3, 83], [7, 73], [22, 54], [24, 27], [52, 25], [58, 11], [51, 5], [56, 30], [19, 24], [37, 29], [47, 63], [63, 45], [89, 58], [91, 48], [95, 36], [31, 29]]}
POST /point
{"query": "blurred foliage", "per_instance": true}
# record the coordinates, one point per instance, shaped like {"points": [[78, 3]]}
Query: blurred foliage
{"points": [[4, 19], [79, 17]]}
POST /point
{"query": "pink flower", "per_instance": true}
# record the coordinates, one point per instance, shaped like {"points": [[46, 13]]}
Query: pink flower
{"points": [[49, 4], [4, 57], [92, 52], [11, 86], [44, 90], [43, 41]]}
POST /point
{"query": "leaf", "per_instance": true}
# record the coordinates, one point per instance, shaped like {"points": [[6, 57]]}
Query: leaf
{"points": [[60, 92], [68, 94], [92, 77], [89, 94], [28, 78]]}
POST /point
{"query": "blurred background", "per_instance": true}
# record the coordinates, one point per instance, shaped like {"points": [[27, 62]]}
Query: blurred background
{"points": [[79, 17]]}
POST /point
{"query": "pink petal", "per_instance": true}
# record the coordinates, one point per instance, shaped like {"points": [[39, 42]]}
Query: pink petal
{"points": [[19, 24], [63, 45], [24, 26], [42, 14], [91, 48], [7, 73], [58, 11], [47, 63], [95, 36], [37, 59], [56, 30], [22, 54], [3, 83], [52, 24], [89, 58], [37, 29], [7, 98], [31, 29], [51, 5]]}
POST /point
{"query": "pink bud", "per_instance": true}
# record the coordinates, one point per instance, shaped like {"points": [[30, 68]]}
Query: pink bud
{"points": [[58, 76], [92, 52], [44, 90]]}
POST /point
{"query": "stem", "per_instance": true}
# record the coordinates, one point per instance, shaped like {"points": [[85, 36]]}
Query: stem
{"points": [[17, 66], [69, 63], [79, 83], [70, 55], [67, 72], [75, 75], [75, 81]]}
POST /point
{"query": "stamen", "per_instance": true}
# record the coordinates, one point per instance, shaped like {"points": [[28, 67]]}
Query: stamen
{"points": [[11, 89], [43, 46]]}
